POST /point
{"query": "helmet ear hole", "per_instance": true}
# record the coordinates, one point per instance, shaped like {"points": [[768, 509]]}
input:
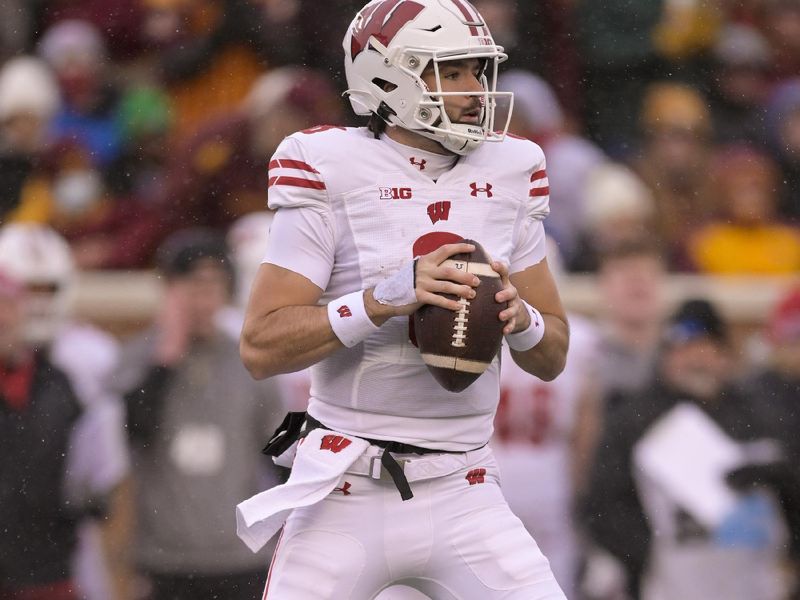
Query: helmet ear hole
{"points": [[386, 86]]}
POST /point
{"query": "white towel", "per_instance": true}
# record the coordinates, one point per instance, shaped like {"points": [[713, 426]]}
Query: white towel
{"points": [[322, 458]]}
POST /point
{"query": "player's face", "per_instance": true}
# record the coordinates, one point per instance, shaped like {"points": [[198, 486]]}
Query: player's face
{"points": [[458, 76]]}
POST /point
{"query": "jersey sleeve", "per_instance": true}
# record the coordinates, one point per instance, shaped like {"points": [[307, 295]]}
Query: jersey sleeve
{"points": [[530, 247], [294, 181], [302, 237], [538, 201]]}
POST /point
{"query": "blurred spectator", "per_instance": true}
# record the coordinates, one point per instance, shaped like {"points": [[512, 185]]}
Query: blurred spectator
{"points": [[620, 59], [616, 206], [210, 52], [779, 388], [118, 21], [632, 280], [668, 549], [38, 410], [16, 23], [196, 422], [97, 457], [747, 238], [221, 173], [537, 115], [77, 54], [534, 444], [674, 159], [29, 99], [740, 85], [780, 22], [783, 123]]}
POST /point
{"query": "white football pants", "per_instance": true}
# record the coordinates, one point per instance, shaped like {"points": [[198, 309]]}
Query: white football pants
{"points": [[456, 539]]}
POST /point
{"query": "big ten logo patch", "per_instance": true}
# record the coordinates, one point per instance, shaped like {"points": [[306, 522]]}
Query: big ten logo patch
{"points": [[476, 476], [439, 211], [396, 193], [344, 311], [334, 443]]}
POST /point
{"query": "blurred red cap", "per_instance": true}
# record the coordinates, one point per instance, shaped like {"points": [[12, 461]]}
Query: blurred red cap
{"points": [[784, 325]]}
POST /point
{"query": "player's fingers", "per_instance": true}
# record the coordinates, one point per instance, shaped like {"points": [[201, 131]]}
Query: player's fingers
{"points": [[444, 252], [510, 326], [448, 287], [439, 300], [501, 269], [457, 275]]}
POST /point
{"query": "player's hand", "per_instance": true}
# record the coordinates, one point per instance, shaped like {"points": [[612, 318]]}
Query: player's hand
{"points": [[434, 278], [515, 316]]}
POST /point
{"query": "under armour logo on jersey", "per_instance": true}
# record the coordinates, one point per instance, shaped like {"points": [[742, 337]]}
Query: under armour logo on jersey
{"points": [[344, 489], [334, 443], [393, 193], [439, 211], [344, 311], [420, 164], [476, 476], [487, 189]]}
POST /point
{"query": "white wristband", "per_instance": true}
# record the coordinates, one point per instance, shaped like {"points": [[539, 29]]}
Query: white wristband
{"points": [[527, 338], [349, 319]]}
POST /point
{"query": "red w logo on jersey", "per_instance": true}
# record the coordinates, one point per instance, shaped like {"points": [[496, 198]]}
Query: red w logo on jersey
{"points": [[439, 211], [334, 443], [476, 476], [373, 22]]}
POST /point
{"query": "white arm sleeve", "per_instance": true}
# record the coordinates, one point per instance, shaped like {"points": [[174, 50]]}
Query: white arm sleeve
{"points": [[532, 248], [302, 240]]}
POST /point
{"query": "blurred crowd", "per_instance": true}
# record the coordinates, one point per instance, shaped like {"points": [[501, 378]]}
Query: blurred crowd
{"points": [[135, 134], [123, 121]]}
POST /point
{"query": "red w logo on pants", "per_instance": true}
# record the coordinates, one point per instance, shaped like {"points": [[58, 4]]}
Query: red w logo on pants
{"points": [[334, 443], [476, 476]]}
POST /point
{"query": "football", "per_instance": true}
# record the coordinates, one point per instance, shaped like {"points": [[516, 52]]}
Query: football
{"points": [[457, 347]]}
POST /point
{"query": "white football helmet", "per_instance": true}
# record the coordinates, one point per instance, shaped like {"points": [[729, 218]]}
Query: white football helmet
{"points": [[41, 259], [393, 41]]}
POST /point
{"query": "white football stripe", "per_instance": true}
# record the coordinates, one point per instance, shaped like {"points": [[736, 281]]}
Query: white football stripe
{"points": [[480, 269], [451, 362]]}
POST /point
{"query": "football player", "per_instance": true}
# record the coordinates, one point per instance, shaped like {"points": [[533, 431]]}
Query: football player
{"points": [[392, 480]]}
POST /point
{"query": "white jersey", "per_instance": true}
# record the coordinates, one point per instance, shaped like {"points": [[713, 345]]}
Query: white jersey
{"points": [[351, 210]]}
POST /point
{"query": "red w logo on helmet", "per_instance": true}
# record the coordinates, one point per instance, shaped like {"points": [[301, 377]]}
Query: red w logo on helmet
{"points": [[382, 21]]}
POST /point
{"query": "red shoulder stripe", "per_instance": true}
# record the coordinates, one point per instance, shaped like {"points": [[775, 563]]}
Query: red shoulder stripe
{"points": [[287, 163], [538, 175], [542, 191], [296, 182]]}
